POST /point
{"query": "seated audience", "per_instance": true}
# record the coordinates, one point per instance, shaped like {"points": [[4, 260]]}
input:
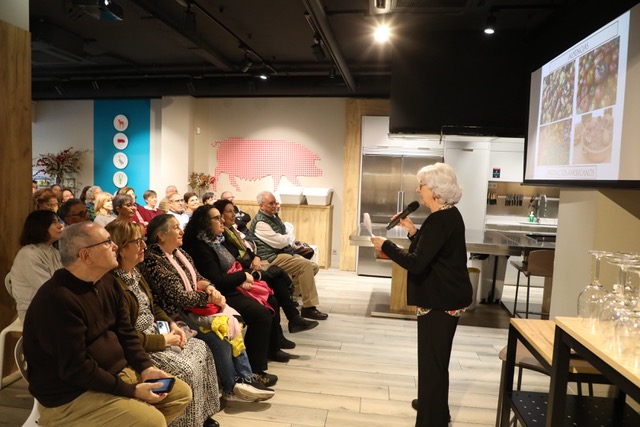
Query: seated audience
{"points": [[45, 199], [191, 203], [273, 244], [56, 190], [164, 203], [65, 195], [104, 209], [83, 194], [86, 363], [90, 197], [180, 290], [208, 198], [242, 218], [150, 210], [34, 186], [176, 208], [124, 207], [37, 260], [202, 240], [188, 359], [73, 211], [277, 278]]}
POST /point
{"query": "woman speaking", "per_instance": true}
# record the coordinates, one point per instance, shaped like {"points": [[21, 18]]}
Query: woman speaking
{"points": [[437, 282]]}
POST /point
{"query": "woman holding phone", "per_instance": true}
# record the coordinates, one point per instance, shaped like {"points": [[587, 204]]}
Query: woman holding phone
{"points": [[189, 360], [437, 282]]}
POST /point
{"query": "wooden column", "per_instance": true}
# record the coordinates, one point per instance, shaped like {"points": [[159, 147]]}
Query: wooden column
{"points": [[356, 108], [15, 159]]}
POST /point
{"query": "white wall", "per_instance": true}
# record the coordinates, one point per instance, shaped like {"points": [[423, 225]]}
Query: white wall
{"points": [[15, 12], [58, 125]]}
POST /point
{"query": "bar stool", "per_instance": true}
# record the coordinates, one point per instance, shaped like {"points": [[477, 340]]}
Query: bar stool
{"points": [[540, 264]]}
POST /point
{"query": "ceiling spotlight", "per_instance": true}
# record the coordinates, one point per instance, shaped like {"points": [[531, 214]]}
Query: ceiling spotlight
{"points": [[317, 49], [490, 28], [246, 64], [262, 76], [382, 33]]}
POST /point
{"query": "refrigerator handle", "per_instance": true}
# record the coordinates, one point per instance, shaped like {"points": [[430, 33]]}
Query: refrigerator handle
{"points": [[400, 201]]}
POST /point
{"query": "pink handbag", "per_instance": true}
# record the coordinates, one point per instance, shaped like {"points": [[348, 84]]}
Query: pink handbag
{"points": [[259, 291]]}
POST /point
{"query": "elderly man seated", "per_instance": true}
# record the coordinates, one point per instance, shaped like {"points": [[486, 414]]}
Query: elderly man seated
{"points": [[176, 208], [73, 211], [87, 365], [273, 244]]}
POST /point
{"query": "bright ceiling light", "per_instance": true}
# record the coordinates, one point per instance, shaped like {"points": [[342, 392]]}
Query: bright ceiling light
{"points": [[490, 28], [382, 34]]}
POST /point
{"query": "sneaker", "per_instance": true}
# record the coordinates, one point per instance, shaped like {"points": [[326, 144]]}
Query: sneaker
{"points": [[313, 313], [267, 380], [286, 344], [299, 324], [252, 392], [235, 398]]}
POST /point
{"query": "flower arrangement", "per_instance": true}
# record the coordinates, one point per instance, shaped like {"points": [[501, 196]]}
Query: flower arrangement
{"points": [[200, 181], [56, 165]]}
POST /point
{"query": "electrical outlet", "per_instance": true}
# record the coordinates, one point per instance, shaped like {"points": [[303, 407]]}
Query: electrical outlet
{"points": [[493, 185]]}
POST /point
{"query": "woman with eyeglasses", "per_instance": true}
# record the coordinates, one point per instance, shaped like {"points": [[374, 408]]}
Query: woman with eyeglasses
{"points": [[124, 206], [37, 260], [104, 209], [203, 239], [188, 359], [180, 290], [45, 199]]}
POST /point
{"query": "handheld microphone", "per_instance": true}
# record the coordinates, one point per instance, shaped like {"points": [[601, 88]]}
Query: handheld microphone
{"points": [[405, 213]]}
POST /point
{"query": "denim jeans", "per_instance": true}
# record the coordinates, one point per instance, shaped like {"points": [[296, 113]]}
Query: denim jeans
{"points": [[230, 369]]}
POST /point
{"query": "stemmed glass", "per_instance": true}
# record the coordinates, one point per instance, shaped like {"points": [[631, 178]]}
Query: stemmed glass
{"points": [[628, 327], [591, 298]]}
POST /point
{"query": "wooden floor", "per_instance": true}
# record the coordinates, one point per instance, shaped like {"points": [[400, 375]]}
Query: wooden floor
{"points": [[356, 370]]}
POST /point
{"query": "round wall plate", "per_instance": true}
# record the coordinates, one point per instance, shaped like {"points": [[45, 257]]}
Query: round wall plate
{"points": [[120, 141], [120, 160], [120, 179], [120, 122]]}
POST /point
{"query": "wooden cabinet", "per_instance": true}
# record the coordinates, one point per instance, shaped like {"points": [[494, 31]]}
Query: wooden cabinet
{"points": [[312, 225]]}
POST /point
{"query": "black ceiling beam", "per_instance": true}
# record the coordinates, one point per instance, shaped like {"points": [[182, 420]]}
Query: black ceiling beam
{"points": [[208, 52], [319, 18]]}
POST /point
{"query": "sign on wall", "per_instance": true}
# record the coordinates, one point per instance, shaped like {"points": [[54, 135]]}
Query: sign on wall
{"points": [[253, 159]]}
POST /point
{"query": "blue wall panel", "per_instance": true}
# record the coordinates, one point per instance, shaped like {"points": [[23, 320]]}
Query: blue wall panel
{"points": [[138, 113]]}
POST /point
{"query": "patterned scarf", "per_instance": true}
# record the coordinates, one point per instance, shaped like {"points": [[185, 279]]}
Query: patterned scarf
{"points": [[189, 285], [224, 256], [236, 239]]}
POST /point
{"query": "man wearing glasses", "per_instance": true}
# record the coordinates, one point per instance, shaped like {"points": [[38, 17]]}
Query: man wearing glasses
{"points": [[176, 208], [73, 211], [86, 363]]}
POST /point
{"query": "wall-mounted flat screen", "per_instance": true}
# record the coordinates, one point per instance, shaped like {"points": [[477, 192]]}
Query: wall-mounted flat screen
{"points": [[584, 111]]}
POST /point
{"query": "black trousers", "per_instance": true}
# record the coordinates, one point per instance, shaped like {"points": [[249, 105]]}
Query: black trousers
{"points": [[258, 319], [435, 339], [280, 282]]}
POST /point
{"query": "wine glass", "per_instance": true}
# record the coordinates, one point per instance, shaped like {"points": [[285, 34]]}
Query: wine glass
{"points": [[592, 296], [627, 328]]}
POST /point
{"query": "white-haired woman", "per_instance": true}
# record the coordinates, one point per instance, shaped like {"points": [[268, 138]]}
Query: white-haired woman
{"points": [[438, 283]]}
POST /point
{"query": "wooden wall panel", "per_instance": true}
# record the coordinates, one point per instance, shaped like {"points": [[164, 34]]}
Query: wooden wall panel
{"points": [[15, 159], [356, 108]]}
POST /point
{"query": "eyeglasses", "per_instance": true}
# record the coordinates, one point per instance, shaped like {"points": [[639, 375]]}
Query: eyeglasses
{"points": [[217, 217], [129, 205], [230, 198], [81, 213], [139, 241], [107, 242], [176, 201]]}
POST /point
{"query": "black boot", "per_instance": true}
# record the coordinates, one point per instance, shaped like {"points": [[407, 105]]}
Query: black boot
{"points": [[299, 324]]}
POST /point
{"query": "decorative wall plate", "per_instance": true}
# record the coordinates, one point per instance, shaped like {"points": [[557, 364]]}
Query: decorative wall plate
{"points": [[120, 160], [120, 141], [120, 122], [120, 179]]}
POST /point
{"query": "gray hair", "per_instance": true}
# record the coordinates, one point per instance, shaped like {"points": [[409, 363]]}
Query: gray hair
{"points": [[90, 195], [120, 200], [442, 181], [261, 196], [75, 237]]}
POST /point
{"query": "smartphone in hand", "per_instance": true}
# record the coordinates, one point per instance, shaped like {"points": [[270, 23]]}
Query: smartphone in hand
{"points": [[163, 327], [167, 384]]}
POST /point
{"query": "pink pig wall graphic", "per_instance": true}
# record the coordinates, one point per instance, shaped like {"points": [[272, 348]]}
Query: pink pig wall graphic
{"points": [[254, 159]]}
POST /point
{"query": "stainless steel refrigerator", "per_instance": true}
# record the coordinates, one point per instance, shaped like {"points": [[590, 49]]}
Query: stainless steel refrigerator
{"points": [[387, 185]]}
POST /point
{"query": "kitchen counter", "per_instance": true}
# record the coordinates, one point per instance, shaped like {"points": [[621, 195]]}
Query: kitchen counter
{"points": [[484, 242]]}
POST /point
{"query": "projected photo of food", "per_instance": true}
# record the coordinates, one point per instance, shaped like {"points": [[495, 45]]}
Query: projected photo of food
{"points": [[593, 138], [554, 144], [557, 94], [598, 77]]}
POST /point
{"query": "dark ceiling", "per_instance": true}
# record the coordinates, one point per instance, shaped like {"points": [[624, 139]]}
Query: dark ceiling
{"points": [[202, 47]]}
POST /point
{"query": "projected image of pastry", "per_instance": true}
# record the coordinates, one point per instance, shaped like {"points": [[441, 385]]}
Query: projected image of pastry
{"points": [[554, 143], [593, 138], [598, 77], [557, 94]]}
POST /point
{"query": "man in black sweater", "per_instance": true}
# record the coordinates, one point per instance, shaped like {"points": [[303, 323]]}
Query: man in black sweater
{"points": [[86, 364]]}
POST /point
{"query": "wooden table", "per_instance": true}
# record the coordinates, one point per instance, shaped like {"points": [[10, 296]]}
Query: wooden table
{"points": [[541, 338]]}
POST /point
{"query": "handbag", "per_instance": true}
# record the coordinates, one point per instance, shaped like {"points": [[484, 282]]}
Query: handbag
{"points": [[260, 290]]}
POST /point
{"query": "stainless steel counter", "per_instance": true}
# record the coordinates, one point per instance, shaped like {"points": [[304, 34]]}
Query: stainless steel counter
{"points": [[478, 241]]}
